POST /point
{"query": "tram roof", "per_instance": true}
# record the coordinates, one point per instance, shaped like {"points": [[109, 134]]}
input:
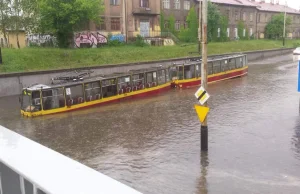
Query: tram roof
{"points": [[210, 59]]}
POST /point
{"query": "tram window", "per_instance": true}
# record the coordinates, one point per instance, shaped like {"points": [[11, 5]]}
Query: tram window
{"points": [[210, 68], [188, 72], [161, 76], [124, 84], [224, 65], [217, 66], [231, 64], [198, 70], [53, 98], [167, 75], [180, 72], [151, 79], [92, 91], [30, 101], [74, 95], [239, 62], [138, 82], [109, 88], [173, 73]]}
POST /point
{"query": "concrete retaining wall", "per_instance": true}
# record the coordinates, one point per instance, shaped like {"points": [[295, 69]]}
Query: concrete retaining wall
{"points": [[12, 84]]}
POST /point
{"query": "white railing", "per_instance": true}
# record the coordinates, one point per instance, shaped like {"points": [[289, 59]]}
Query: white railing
{"points": [[27, 167]]}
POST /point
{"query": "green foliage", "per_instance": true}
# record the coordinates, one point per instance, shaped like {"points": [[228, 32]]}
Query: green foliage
{"points": [[62, 18], [223, 23], [172, 24], [31, 59], [213, 19], [191, 33], [193, 24], [240, 28], [139, 41], [162, 21], [274, 28]]}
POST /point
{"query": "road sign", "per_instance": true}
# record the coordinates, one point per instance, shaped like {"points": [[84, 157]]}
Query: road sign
{"points": [[201, 111], [202, 95]]}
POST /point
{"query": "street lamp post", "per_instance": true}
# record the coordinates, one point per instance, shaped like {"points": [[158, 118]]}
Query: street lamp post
{"points": [[283, 38]]}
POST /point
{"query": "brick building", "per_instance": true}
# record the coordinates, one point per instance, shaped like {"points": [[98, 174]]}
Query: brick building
{"points": [[132, 17]]}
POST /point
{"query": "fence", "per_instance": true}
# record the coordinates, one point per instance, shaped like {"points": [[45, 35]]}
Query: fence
{"points": [[27, 167]]}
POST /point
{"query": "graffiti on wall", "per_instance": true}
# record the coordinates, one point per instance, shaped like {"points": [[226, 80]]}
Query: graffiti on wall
{"points": [[168, 42], [40, 40], [89, 40], [119, 37]]}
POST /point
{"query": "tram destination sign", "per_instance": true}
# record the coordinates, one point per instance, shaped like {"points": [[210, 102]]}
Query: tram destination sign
{"points": [[201, 95]]}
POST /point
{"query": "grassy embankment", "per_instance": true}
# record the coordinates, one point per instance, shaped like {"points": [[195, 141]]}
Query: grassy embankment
{"points": [[32, 59]]}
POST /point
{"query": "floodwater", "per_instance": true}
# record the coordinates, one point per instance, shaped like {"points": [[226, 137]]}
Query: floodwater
{"points": [[153, 144]]}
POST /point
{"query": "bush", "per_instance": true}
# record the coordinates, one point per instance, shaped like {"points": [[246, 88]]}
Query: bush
{"points": [[139, 41]]}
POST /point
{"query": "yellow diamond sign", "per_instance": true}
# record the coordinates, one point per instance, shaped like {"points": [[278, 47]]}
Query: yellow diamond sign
{"points": [[202, 95], [202, 112]]}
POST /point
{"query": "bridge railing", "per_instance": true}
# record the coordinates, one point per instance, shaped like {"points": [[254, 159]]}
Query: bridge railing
{"points": [[27, 167]]}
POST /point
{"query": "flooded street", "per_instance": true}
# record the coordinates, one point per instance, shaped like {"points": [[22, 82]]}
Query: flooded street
{"points": [[153, 144]]}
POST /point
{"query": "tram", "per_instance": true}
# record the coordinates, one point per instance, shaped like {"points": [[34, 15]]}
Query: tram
{"points": [[219, 68], [76, 92]]}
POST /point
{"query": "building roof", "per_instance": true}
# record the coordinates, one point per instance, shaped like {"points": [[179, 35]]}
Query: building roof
{"points": [[275, 8], [234, 2], [261, 6]]}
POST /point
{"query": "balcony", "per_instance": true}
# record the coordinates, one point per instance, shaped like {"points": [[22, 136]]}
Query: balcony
{"points": [[144, 11]]}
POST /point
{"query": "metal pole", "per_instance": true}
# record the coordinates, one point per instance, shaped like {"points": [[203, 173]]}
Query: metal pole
{"points": [[200, 26], [204, 128], [124, 20], [284, 25]]}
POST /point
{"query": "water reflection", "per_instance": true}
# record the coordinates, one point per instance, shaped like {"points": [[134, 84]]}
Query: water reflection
{"points": [[202, 186]]}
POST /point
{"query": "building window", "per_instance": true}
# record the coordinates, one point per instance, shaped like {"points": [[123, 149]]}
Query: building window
{"points": [[251, 17], [244, 16], [185, 25], [166, 24], [102, 25], [166, 4], [259, 20], [228, 32], [144, 3], [235, 33], [187, 5], [236, 15], [114, 2], [219, 32], [177, 4], [251, 31], [244, 32], [115, 24], [177, 25], [266, 17]]}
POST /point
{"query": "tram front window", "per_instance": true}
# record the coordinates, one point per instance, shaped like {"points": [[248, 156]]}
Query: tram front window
{"points": [[30, 101]]}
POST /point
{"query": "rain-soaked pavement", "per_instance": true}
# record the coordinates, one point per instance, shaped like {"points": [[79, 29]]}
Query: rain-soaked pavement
{"points": [[153, 145]]}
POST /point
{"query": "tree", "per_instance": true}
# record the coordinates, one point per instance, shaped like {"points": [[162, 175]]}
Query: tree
{"points": [[241, 27], [192, 21], [213, 20], [274, 28], [223, 23], [5, 12], [162, 21], [64, 17], [172, 24]]}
